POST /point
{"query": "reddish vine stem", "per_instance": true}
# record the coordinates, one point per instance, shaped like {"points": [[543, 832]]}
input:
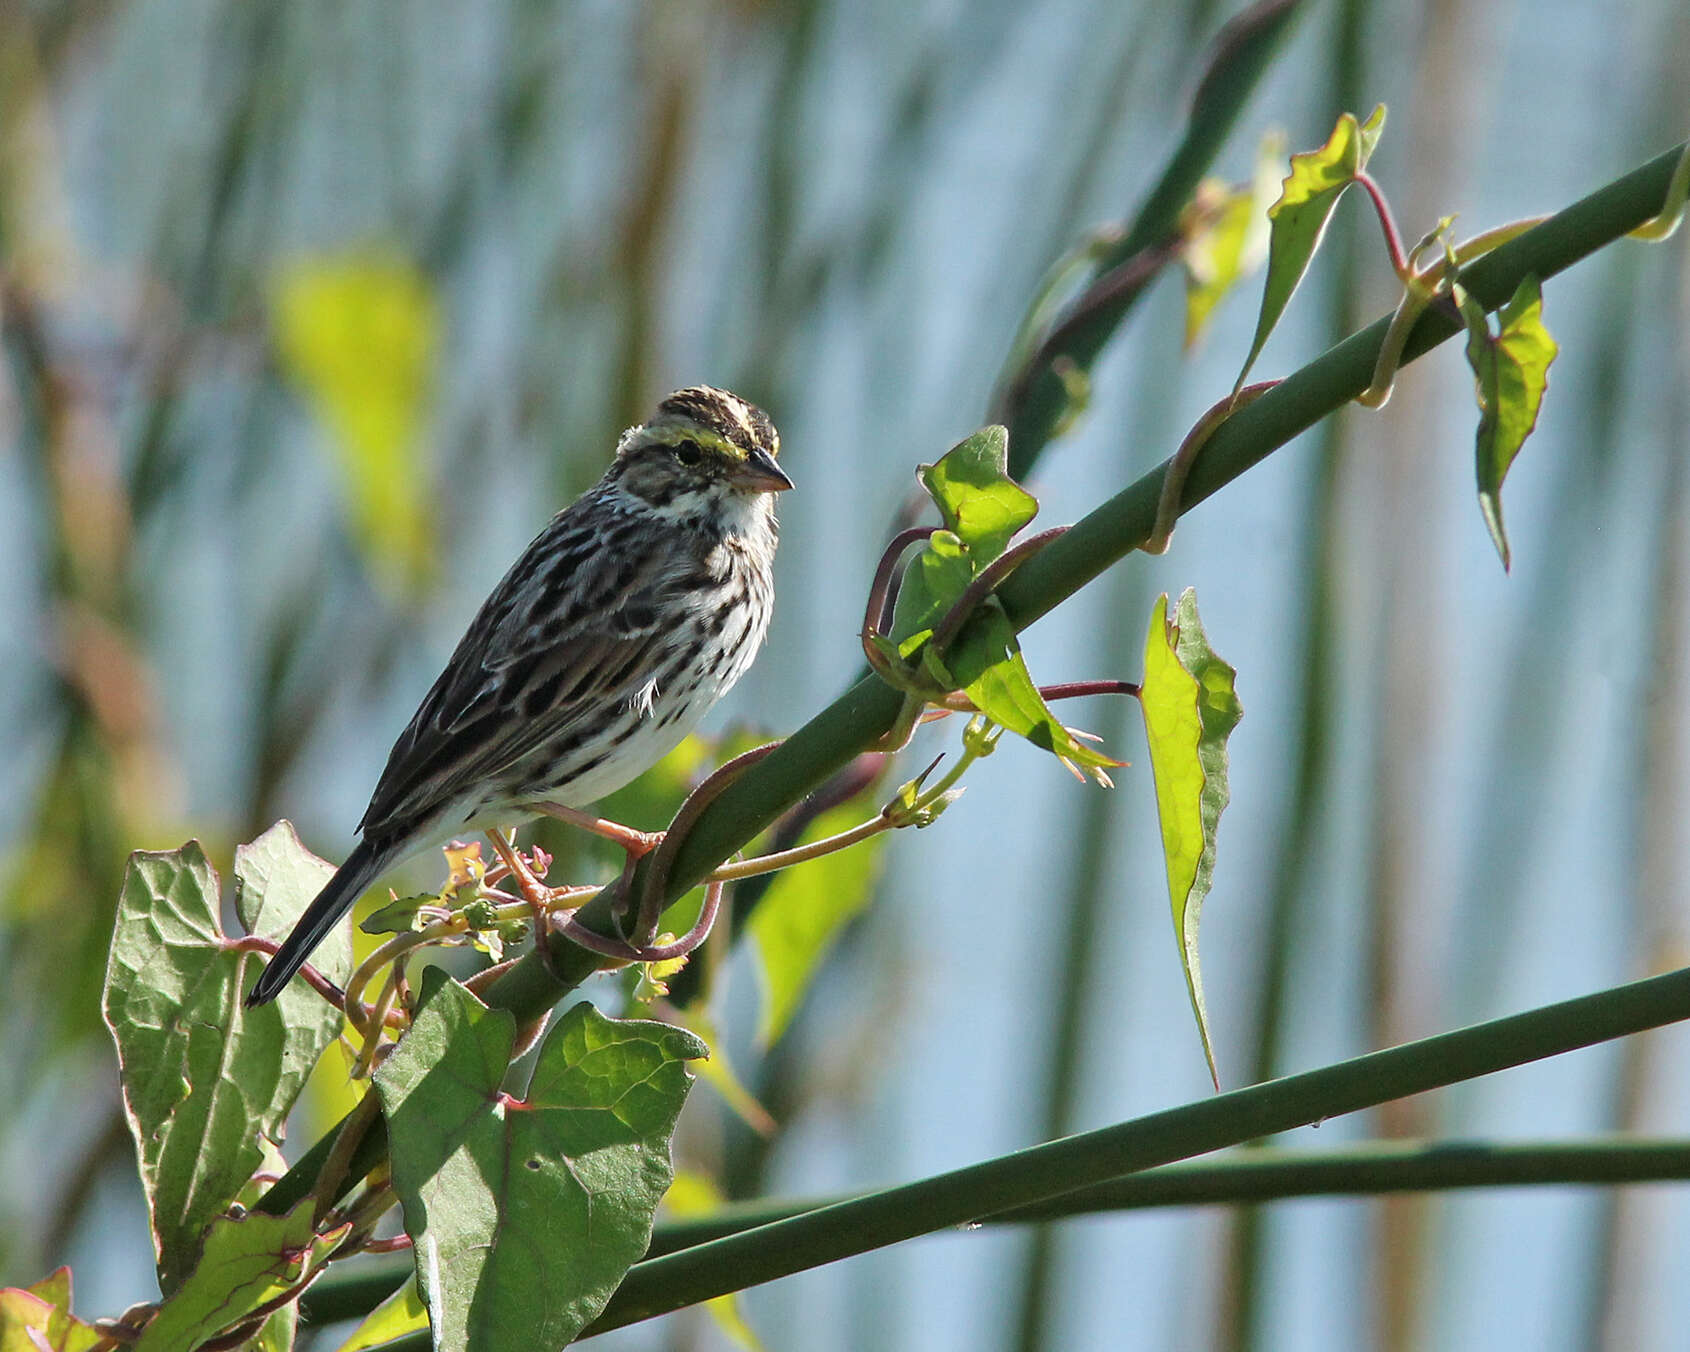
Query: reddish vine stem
{"points": [[1077, 689], [1387, 223], [987, 582], [663, 857], [880, 595], [611, 947], [252, 943]]}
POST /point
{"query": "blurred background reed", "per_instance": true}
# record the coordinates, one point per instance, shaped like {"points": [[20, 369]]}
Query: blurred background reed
{"points": [[313, 314]]}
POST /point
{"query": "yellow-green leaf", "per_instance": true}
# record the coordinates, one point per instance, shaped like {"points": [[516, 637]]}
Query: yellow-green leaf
{"points": [[358, 334], [1190, 709], [975, 495], [247, 1263], [934, 580], [1511, 374], [1299, 218], [401, 1313], [38, 1318], [986, 662], [801, 914], [1225, 235]]}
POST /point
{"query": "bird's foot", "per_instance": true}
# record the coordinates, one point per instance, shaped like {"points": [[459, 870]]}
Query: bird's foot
{"points": [[635, 844]]}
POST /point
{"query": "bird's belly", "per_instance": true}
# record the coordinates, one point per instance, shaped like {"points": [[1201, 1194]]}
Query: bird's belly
{"points": [[619, 754]]}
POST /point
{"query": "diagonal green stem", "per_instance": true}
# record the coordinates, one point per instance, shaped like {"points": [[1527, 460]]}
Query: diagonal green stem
{"points": [[856, 721], [1272, 1174], [860, 716], [1244, 1176], [657, 1286]]}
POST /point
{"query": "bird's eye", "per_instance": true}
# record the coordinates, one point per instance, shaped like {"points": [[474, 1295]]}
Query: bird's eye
{"points": [[688, 452]]}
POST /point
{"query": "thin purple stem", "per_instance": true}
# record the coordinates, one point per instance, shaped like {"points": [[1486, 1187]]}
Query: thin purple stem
{"points": [[1075, 689], [663, 857], [875, 618], [1387, 223], [987, 582], [611, 947]]}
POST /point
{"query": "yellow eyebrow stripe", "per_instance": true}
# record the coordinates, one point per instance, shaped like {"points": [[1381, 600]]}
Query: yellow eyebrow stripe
{"points": [[673, 435]]}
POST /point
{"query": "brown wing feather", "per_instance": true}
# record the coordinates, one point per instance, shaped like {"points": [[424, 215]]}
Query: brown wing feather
{"points": [[570, 631]]}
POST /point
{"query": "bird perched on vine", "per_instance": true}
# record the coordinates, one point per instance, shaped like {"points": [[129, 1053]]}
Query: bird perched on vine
{"points": [[607, 641]]}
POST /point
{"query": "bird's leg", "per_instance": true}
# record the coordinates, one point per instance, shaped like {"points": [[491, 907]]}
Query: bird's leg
{"points": [[635, 844]]}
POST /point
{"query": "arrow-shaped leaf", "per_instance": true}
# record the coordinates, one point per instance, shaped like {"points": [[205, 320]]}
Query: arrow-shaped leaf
{"points": [[1224, 235], [1511, 374], [1311, 190], [1190, 709], [986, 661]]}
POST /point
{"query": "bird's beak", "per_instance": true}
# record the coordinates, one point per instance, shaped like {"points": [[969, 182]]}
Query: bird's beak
{"points": [[758, 471]]}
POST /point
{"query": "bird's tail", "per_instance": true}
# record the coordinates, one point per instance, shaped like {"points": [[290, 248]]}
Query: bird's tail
{"points": [[363, 866]]}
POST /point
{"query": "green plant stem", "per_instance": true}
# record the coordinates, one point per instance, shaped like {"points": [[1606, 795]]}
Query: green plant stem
{"points": [[1239, 55], [1270, 1174], [963, 1196], [349, 1290], [858, 718], [800, 854]]}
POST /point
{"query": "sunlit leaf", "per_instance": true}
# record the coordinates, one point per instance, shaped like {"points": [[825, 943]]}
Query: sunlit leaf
{"points": [[358, 335], [986, 660], [1511, 373], [38, 1319], [795, 924], [1300, 216], [936, 577], [976, 497], [982, 508], [525, 1213], [1190, 709], [1224, 235], [204, 1078], [247, 1263], [401, 1313]]}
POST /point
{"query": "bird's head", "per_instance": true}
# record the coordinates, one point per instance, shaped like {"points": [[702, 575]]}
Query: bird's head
{"points": [[705, 452]]}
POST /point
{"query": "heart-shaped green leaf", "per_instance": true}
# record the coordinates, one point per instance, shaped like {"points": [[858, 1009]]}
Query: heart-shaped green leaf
{"points": [[204, 1078], [525, 1213]]}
